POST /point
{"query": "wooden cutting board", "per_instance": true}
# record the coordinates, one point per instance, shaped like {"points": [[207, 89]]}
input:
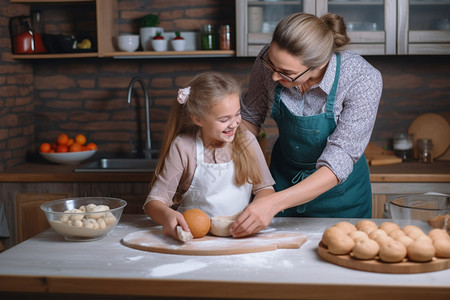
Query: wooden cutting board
{"points": [[376, 156], [373, 265], [431, 126], [154, 240]]}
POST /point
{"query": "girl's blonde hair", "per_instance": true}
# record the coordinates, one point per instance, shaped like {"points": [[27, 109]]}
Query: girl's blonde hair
{"points": [[312, 38], [206, 90]]}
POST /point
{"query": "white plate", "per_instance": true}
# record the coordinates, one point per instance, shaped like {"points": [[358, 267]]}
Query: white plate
{"points": [[68, 158]]}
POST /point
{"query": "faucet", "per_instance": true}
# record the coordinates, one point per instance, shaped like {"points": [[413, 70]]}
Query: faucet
{"points": [[148, 148]]}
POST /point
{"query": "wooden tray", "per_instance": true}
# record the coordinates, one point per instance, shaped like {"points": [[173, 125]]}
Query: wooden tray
{"points": [[431, 126], [404, 267], [155, 241]]}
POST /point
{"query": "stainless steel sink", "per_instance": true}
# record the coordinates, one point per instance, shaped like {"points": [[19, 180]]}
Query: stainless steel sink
{"points": [[119, 165]]}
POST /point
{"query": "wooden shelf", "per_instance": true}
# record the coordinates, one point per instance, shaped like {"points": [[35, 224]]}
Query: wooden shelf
{"points": [[170, 54], [54, 55]]}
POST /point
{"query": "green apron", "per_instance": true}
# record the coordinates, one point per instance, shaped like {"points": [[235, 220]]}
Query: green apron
{"points": [[301, 141]]}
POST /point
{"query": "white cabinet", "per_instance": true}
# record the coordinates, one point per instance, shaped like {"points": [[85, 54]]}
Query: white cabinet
{"points": [[375, 27], [424, 27]]}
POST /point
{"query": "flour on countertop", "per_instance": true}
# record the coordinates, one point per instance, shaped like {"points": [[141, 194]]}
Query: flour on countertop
{"points": [[133, 258], [178, 268]]}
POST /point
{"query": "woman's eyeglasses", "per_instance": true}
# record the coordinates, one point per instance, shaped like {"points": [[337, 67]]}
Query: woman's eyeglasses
{"points": [[284, 76]]}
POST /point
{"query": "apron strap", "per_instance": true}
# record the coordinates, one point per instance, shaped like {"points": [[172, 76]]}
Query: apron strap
{"points": [[302, 175], [329, 109]]}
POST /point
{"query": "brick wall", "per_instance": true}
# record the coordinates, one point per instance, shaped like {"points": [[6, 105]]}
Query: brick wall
{"points": [[41, 98]]}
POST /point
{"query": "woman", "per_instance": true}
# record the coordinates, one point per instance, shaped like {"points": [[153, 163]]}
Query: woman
{"points": [[324, 100]]}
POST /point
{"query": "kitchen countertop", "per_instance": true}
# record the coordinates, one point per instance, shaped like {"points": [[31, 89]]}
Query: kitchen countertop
{"points": [[47, 263], [438, 171]]}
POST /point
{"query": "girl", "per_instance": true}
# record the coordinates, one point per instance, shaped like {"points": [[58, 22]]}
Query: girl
{"points": [[206, 157]]}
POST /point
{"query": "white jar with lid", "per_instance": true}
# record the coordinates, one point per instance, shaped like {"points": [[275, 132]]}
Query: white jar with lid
{"points": [[403, 146]]}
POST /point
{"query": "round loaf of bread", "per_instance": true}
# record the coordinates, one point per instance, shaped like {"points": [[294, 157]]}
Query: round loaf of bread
{"points": [[442, 248], [358, 235], [413, 231], [420, 251], [341, 244], [437, 233], [392, 251], [395, 234], [405, 240], [388, 227], [330, 233], [365, 249], [347, 227], [366, 223], [374, 234]]}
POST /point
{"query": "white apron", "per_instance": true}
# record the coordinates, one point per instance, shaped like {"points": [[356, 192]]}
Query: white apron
{"points": [[213, 189]]}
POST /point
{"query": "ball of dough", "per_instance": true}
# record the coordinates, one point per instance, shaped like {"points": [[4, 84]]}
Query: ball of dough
{"points": [[413, 231], [382, 239], [368, 229], [405, 240], [392, 251], [365, 249], [424, 239], [437, 233], [366, 223], [388, 227], [220, 225], [442, 248], [198, 222], [419, 251], [442, 222], [340, 244], [347, 227], [330, 233], [395, 234], [374, 234], [358, 235]]}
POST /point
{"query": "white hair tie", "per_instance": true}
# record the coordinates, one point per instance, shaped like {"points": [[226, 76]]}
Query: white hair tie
{"points": [[183, 95]]}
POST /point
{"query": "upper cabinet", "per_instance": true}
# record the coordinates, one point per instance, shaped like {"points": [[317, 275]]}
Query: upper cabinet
{"points": [[375, 27], [424, 27]]}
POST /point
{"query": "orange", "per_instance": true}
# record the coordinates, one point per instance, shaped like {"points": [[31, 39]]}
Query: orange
{"points": [[45, 147], [62, 139], [91, 146], [70, 142], [75, 147], [80, 139], [62, 148], [198, 221]]}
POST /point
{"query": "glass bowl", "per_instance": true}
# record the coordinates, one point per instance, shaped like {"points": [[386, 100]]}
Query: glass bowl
{"points": [[83, 218], [432, 209], [68, 158]]}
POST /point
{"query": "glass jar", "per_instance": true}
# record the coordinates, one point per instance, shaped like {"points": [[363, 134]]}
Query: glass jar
{"points": [[425, 150], [208, 37], [403, 146], [225, 37]]}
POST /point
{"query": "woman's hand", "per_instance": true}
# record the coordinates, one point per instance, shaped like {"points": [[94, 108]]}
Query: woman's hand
{"points": [[256, 216]]}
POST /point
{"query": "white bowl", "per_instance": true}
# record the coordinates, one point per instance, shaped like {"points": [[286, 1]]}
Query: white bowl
{"points": [[128, 42], [68, 158], [89, 225], [178, 45], [159, 45], [147, 34]]}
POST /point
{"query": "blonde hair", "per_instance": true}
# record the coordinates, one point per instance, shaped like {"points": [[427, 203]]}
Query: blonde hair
{"points": [[206, 90], [312, 38]]}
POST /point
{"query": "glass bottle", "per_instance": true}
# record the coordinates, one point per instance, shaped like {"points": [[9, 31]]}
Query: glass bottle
{"points": [[208, 37], [225, 37], [425, 150]]}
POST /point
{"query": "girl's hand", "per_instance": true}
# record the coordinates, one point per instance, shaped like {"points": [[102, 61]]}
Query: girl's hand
{"points": [[173, 220], [255, 217]]}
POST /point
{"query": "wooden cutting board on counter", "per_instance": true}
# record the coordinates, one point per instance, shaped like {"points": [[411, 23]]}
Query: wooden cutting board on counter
{"points": [[374, 265], [154, 240], [376, 156]]}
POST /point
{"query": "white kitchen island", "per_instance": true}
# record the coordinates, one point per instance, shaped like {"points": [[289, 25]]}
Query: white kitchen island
{"points": [[47, 265]]}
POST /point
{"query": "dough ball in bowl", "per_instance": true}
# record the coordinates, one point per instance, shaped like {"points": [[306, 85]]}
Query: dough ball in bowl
{"points": [[198, 221], [220, 225]]}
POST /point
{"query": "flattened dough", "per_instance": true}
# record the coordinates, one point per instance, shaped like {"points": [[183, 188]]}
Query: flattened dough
{"points": [[184, 236], [220, 226]]}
